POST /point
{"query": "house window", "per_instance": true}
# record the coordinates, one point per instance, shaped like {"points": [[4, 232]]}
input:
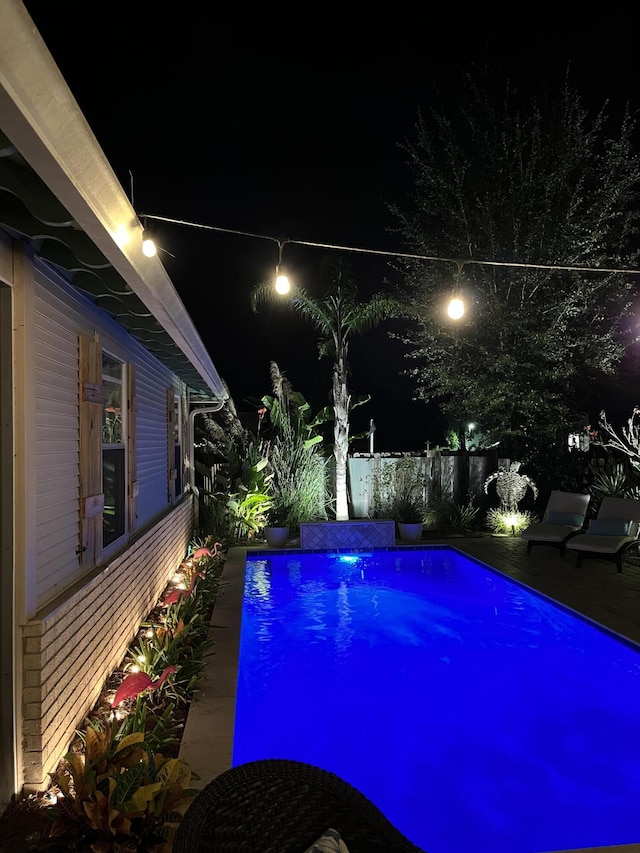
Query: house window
{"points": [[177, 445], [113, 451]]}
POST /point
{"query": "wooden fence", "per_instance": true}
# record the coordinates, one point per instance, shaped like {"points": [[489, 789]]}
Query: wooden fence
{"points": [[452, 474]]}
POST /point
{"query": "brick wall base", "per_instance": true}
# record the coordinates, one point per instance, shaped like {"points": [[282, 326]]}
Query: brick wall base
{"points": [[72, 650]]}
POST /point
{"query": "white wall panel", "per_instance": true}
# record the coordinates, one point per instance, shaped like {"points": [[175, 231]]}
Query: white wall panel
{"points": [[61, 315]]}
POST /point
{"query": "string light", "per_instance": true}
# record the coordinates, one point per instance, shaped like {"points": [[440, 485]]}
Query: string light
{"points": [[456, 305], [149, 249], [408, 255]]}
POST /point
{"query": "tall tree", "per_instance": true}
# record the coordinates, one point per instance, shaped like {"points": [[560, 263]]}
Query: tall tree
{"points": [[337, 316], [539, 181]]}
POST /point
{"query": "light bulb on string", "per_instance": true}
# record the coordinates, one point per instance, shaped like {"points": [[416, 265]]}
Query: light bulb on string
{"points": [[283, 285], [455, 309], [149, 248], [456, 306]]}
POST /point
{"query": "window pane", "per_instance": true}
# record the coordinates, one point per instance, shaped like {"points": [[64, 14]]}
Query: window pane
{"points": [[112, 408], [112, 413], [113, 451], [114, 491], [177, 488], [111, 367]]}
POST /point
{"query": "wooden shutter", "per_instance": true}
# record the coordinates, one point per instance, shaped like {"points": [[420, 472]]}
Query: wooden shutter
{"points": [[91, 496], [132, 482]]}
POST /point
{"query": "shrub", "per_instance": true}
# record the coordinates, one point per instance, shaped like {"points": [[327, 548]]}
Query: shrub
{"points": [[298, 482], [510, 523], [398, 491], [119, 792], [446, 514]]}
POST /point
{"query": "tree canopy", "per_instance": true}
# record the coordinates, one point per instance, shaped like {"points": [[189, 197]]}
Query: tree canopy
{"points": [[542, 182]]}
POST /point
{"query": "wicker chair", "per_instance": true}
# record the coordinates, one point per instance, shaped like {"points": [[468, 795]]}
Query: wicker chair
{"points": [[282, 806]]}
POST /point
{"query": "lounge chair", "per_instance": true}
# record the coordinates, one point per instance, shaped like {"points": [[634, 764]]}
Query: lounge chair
{"points": [[611, 534], [282, 806], [563, 518]]}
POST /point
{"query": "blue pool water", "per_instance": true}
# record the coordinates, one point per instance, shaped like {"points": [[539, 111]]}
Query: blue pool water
{"points": [[477, 715]]}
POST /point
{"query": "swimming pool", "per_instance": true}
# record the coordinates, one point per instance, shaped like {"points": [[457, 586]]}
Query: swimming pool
{"points": [[477, 714]]}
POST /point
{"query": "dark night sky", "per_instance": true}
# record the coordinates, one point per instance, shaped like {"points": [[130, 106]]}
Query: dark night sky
{"points": [[290, 127]]}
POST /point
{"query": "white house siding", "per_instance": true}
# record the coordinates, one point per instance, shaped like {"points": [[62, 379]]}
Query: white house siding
{"points": [[151, 441], [61, 314], [56, 364], [80, 623], [71, 649]]}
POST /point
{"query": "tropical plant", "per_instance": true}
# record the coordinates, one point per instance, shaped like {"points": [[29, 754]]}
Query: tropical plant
{"points": [[398, 491], [539, 181], [612, 479], [619, 474], [248, 510], [296, 470], [338, 316], [246, 489], [120, 787], [288, 410], [446, 514], [161, 731], [409, 508], [119, 793], [281, 512], [452, 440], [298, 485], [499, 521]]}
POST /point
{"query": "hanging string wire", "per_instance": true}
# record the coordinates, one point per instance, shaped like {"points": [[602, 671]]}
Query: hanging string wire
{"points": [[408, 255]]}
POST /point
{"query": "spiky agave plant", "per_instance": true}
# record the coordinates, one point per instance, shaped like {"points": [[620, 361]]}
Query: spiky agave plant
{"points": [[499, 521]]}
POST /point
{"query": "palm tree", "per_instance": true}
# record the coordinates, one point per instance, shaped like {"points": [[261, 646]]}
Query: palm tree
{"points": [[337, 316]]}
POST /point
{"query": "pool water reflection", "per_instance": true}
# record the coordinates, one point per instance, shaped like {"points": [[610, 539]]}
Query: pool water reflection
{"points": [[478, 715]]}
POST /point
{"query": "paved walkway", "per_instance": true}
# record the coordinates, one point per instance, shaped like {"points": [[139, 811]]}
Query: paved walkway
{"points": [[595, 590]]}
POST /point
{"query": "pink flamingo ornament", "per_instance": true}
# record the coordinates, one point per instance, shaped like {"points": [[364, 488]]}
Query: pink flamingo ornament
{"points": [[178, 593], [136, 682], [206, 552]]}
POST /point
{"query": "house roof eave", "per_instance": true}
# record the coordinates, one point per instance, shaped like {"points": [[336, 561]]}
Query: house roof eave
{"points": [[50, 135]]}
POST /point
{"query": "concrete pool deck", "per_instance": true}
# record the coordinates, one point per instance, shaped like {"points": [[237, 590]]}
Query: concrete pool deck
{"points": [[595, 590]]}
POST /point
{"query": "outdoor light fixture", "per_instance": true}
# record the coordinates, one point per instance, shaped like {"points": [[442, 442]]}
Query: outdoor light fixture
{"points": [[456, 307], [283, 285], [282, 281], [148, 244]]}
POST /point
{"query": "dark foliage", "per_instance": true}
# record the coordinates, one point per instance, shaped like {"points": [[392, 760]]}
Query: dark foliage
{"points": [[542, 183]]}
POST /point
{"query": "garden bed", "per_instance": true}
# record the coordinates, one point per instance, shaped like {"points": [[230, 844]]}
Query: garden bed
{"points": [[137, 739]]}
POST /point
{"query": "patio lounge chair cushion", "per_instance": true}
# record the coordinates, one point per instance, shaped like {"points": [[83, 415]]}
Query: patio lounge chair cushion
{"points": [[611, 534], [563, 517], [570, 519], [608, 527], [278, 805]]}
